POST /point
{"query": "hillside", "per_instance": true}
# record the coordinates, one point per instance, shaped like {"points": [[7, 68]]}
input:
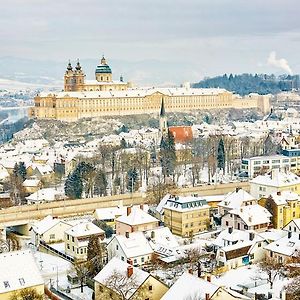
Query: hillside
{"points": [[245, 84]]}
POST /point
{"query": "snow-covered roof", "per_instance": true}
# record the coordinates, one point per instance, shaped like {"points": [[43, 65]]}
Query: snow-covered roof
{"points": [[162, 203], [117, 266], [161, 237], [136, 217], [252, 214], [84, 229], [108, 213], [135, 245], [236, 199], [287, 246], [44, 225], [18, 271], [272, 235], [46, 194], [281, 198], [188, 286], [234, 235], [31, 182], [296, 222], [276, 179], [186, 203], [136, 93]]}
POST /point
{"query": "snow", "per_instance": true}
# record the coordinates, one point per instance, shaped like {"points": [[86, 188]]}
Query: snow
{"points": [[19, 270], [119, 266], [136, 217], [84, 229], [190, 287], [252, 214], [236, 199], [44, 225]]}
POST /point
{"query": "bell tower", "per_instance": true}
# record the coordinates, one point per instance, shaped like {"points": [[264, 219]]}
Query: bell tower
{"points": [[78, 77], [68, 78], [163, 123]]}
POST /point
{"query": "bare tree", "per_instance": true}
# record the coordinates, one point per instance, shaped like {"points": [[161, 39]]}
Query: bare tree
{"points": [[123, 285], [272, 270], [82, 269]]}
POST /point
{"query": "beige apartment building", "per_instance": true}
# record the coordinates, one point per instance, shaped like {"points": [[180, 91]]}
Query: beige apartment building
{"points": [[105, 97], [186, 216]]}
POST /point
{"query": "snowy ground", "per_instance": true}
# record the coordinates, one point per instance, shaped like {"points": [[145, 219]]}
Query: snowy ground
{"points": [[55, 269]]}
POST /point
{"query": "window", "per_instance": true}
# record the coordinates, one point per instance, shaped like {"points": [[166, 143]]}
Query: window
{"points": [[6, 284], [135, 261], [68, 237], [100, 288], [117, 247], [52, 236], [142, 259], [150, 288], [68, 246], [122, 258], [259, 244], [81, 251], [226, 223], [252, 256], [73, 239], [22, 281]]}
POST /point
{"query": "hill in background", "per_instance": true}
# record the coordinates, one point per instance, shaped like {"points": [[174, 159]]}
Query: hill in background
{"points": [[245, 84]]}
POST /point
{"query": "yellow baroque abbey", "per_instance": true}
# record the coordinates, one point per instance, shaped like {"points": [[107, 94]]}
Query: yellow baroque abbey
{"points": [[105, 97]]}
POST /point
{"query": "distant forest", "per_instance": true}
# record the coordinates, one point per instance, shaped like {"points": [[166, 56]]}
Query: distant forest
{"points": [[245, 84]]}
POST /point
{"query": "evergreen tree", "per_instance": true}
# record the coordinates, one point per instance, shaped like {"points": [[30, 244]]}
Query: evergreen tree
{"points": [[94, 255], [167, 154], [221, 155], [132, 177], [19, 171], [109, 231], [74, 185]]}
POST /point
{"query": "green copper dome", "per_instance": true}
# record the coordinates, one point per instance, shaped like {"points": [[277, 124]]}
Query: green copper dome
{"points": [[103, 69]]}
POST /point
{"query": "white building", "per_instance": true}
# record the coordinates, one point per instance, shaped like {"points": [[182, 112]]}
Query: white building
{"points": [[131, 247], [276, 181], [250, 217], [49, 230], [77, 238], [254, 166], [235, 199]]}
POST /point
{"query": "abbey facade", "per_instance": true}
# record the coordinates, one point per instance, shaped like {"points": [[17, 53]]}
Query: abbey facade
{"points": [[105, 97]]}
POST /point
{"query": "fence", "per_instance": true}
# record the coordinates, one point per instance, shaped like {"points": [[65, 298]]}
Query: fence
{"points": [[58, 253]]}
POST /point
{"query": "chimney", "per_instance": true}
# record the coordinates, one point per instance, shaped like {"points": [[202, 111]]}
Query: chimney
{"points": [[142, 206], [127, 234], [207, 296], [237, 189], [208, 278], [129, 271], [191, 271], [128, 210], [230, 229], [289, 234], [129, 261], [279, 193], [251, 236], [152, 234]]}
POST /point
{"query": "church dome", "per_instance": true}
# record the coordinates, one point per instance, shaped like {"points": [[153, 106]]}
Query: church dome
{"points": [[103, 69]]}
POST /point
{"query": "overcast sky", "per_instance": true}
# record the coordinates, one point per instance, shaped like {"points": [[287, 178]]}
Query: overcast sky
{"points": [[210, 36]]}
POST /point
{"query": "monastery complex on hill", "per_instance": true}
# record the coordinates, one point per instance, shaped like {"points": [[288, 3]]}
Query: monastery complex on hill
{"points": [[104, 96]]}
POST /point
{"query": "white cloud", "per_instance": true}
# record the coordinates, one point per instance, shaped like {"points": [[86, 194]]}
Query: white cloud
{"points": [[280, 63]]}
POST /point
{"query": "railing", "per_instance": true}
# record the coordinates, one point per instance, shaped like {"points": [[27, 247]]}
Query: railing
{"points": [[55, 251]]}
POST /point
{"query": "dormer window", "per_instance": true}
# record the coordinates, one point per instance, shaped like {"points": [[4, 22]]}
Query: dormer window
{"points": [[6, 284]]}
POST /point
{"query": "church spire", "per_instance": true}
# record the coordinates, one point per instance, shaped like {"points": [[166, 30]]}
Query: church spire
{"points": [[78, 66], [162, 108], [69, 67]]}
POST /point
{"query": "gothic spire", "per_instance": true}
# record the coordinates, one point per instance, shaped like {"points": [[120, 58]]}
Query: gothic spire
{"points": [[162, 108]]}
